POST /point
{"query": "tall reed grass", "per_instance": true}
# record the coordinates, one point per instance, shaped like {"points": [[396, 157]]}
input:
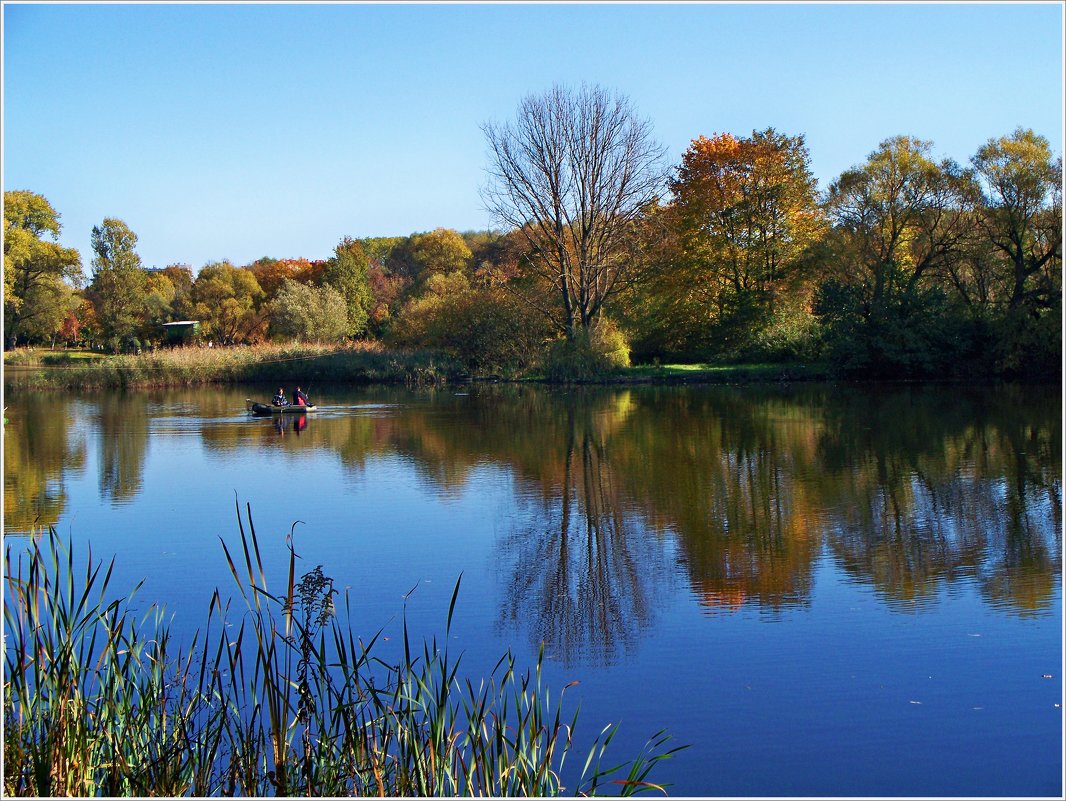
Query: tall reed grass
{"points": [[268, 363], [276, 696]]}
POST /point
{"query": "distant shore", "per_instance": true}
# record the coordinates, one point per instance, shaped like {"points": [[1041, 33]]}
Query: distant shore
{"points": [[42, 369]]}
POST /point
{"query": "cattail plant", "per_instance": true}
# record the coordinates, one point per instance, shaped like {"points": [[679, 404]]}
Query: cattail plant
{"points": [[287, 701]]}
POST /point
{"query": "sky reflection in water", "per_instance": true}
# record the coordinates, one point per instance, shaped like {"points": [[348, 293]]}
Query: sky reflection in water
{"points": [[819, 587]]}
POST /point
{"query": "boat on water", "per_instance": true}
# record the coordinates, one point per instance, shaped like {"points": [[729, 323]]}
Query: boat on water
{"points": [[266, 410]]}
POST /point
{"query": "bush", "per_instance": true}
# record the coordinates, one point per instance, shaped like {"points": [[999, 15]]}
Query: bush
{"points": [[906, 334], [1028, 345], [588, 356], [484, 327]]}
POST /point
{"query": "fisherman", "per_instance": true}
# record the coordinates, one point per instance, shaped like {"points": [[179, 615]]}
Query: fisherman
{"points": [[280, 399], [300, 398]]}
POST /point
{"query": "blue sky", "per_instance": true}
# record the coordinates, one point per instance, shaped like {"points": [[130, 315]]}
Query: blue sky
{"points": [[240, 131]]}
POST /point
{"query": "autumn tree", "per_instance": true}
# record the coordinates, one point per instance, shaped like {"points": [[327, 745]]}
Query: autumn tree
{"points": [[386, 290], [483, 325], [897, 222], [272, 273], [572, 172], [347, 272], [744, 213], [226, 300], [1021, 212], [37, 272], [119, 285], [439, 252]]}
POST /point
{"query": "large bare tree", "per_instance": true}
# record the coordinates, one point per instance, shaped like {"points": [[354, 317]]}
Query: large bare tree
{"points": [[572, 172]]}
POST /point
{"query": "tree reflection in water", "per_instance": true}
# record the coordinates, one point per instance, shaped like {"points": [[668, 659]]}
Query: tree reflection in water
{"points": [[583, 578], [907, 489], [122, 427], [42, 448]]}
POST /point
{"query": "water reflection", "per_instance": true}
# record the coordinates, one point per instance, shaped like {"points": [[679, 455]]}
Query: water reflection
{"points": [[582, 579], [42, 448], [122, 431], [907, 489], [946, 486]]}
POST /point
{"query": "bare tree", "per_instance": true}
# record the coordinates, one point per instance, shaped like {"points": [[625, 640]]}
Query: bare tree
{"points": [[572, 172]]}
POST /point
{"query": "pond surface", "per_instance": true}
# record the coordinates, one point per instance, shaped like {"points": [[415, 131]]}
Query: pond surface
{"points": [[824, 590]]}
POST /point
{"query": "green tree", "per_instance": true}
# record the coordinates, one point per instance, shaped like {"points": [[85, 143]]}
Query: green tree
{"points": [[226, 300], [37, 273], [898, 222], [119, 286], [347, 272], [1020, 217], [308, 312]]}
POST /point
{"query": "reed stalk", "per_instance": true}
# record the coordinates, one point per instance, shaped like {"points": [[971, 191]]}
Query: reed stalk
{"points": [[287, 701]]}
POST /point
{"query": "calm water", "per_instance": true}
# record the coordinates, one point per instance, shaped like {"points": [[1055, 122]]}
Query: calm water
{"points": [[826, 591]]}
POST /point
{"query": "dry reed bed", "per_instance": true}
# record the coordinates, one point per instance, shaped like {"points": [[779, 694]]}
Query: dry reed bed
{"points": [[268, 363]]}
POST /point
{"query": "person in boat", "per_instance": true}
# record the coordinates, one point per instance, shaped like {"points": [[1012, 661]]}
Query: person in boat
{"points": [[300, 398], [280, 399]]}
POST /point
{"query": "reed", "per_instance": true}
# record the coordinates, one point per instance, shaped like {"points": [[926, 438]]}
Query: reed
{"points": [[286, 701], [363, 362]]}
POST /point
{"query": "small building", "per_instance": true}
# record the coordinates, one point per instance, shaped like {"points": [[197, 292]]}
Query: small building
{"points": [[181, 332]]}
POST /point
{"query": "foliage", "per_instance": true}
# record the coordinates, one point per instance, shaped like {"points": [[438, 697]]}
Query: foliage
{"points": [[439, 252], [1027, 345], [316, 314], [288, 702], [347, 272], [226, 300], [386, 289], [911, 333], [37, 273], [588, 356], [272, 273], [483, 326], [745, 212], [119, 286], [952, 266]]}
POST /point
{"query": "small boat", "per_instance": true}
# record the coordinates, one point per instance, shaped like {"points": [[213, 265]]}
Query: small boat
{"points": [[265, 409]]}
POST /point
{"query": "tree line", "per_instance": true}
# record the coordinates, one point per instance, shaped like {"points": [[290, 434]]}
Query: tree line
{"points": [[907, 265]]}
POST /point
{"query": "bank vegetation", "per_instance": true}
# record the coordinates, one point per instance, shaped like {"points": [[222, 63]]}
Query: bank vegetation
{"points": [[908, 265]]}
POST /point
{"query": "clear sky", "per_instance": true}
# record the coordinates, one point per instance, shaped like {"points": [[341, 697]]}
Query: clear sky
{"points": [[240, 131]]}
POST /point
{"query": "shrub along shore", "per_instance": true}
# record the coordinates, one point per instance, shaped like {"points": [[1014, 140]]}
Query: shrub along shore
{"points": [[310, 363]]}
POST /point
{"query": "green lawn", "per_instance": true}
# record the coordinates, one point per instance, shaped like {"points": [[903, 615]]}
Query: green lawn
{"points": [[725, 372], [30, 357]]}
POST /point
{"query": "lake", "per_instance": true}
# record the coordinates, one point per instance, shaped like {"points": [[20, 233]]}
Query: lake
{"points": [[825, 590]]}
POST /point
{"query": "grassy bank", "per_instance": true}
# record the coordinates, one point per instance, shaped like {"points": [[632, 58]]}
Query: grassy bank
{"points": [[191, 366], [729, 373], [275, 697]]}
